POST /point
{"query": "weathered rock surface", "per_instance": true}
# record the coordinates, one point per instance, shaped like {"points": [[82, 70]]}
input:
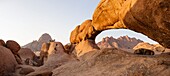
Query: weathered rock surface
{"points": [[2, 43], [8, 62], [115, 62], [56, 57], [123, 42], [135, 16], [157, 48], [26, 53], [27, 70], [41, 73], [83, 32], [149, 17], [69, 48], [85, 47], [13, 46], [36, 45]]}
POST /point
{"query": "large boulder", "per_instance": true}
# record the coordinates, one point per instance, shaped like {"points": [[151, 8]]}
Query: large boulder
{"points": [[13, 46], [8, 62], [85, 46], [56, 55], [2, 43], [26, 53]]}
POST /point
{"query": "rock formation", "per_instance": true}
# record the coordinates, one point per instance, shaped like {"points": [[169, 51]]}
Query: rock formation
{"points": [[157, 48], [14, 47], [27, 56], [152, 21], [143, 51], [26, 53], [85, 46], [2, 43], [83, 32], [36, 45], [56, 57], [69, 48], [123, 42], [116, 62], [7, 63], [144, 45]]}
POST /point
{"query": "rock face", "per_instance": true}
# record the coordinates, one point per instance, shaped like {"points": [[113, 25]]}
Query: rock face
{"points": [[149, 17], [123, 42], [13, 46], [36, 45], [8, 62], [115, 62]]}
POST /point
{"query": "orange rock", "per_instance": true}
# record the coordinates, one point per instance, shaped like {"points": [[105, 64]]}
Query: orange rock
{"points": [[83, 32], [85, 47]]}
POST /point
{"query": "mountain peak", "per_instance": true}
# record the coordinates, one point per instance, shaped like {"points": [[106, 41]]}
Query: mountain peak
{"points": [[36, 45], [124, 42], [45, 38]]}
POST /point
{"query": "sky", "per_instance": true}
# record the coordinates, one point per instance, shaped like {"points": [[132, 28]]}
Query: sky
{"points": [[26, 20]]}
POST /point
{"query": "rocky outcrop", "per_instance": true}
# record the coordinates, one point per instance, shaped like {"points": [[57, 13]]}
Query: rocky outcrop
{"points": [[144, 45], [116, 62], [149, 17], [7, 63], [36, 45], [157, 48], [123, 42], [56, 57]]}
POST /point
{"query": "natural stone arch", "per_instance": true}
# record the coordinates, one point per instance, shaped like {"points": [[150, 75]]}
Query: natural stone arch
{"points": [[149, 17]]}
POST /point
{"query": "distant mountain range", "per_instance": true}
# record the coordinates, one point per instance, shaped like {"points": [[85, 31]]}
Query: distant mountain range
{"points": [[36, 45], [123, 42]]}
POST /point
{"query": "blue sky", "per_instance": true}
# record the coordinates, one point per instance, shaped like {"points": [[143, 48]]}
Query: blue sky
{"points": [[26, 20]]}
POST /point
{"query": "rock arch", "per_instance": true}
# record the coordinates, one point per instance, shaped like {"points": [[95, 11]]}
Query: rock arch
{"points": [[149, 17]]}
